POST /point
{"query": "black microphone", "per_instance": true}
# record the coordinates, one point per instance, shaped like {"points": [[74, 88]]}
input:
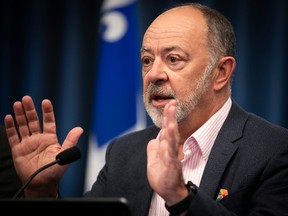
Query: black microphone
{"points": [[65, 157], [68, 156]]}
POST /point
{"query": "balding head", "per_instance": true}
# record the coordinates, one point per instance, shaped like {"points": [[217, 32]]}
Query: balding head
{"points": [[208, 23]]}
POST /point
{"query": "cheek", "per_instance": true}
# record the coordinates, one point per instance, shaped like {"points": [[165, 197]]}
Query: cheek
{"points": [[184, 86], [183, 91], [145, 83]]}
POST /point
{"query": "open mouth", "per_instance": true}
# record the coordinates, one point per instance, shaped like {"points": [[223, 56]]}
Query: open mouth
{"points": [[160, 100]]}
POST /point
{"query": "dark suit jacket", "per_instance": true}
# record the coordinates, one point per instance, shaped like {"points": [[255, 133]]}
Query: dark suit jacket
{"points": [[249, 159], [9, 180]]}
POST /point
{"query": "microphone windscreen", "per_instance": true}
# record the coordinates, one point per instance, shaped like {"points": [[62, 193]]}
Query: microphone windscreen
{"points": [[68, 156]]}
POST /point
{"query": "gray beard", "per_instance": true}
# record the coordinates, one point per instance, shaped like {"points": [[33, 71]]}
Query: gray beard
{"points": [[183, 108]]}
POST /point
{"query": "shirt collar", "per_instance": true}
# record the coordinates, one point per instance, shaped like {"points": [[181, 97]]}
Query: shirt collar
{"points": [[206, 135]]}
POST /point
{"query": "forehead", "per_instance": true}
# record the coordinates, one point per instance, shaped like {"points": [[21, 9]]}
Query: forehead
{"points": [[177, 27]]}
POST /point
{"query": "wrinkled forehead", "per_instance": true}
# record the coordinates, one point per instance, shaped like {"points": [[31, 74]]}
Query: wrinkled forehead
{"points": [[183, 23]]}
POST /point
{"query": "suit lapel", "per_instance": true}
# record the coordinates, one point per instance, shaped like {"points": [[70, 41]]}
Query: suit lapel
{"points": [[224, 148], [219, 157]]}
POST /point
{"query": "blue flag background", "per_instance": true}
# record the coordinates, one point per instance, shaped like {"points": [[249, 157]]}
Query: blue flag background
{"points": [[117, 99]]}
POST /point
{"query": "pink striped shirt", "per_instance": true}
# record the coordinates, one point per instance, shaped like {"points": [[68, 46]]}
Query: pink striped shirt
{"points": [[196, 152]]}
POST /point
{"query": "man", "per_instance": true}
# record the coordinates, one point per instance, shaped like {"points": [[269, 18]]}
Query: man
{"points": [[9, 181], [210, 156]]}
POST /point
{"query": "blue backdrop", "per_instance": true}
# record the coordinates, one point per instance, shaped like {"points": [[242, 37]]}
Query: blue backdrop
{"points": [[48, 49]]}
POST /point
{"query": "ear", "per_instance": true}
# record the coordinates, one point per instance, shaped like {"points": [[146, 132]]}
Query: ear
{"points": [[224, 71]]}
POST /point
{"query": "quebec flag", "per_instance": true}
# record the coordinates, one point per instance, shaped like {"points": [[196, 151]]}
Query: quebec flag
{"points": [[118, 106]]}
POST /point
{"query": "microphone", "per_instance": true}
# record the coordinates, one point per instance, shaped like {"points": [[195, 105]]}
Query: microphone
{"points": [[68, 156], [65, 157]]}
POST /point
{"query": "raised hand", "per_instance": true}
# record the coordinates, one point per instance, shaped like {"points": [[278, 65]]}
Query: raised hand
{"points": [[33, 148], [164, 168]]}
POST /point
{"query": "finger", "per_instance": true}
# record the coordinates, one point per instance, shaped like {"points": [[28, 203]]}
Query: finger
{"points": [[11, 130], [164, 123], [31, 115], [72, 137], [152, 151], [21, 119], [171, 130], [168, 118], [172, 126], [49, 123]]}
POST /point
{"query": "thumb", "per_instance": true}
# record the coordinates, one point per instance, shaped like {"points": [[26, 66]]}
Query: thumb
{"points": [[72, 137]]}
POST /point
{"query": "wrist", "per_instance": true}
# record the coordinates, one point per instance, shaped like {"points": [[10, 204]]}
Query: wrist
{"points": [[184, 204]]}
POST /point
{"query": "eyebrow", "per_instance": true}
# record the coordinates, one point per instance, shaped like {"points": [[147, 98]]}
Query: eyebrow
{"points": [[165, 50]]}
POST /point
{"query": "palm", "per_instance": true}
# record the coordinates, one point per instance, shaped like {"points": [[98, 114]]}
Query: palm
{"points": [[35, 152]]}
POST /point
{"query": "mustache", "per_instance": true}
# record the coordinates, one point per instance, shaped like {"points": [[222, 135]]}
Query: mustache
{"points": [[153, 90]]}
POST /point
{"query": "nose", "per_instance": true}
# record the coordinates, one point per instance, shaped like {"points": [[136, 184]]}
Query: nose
{"points": [[157, 75]]}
